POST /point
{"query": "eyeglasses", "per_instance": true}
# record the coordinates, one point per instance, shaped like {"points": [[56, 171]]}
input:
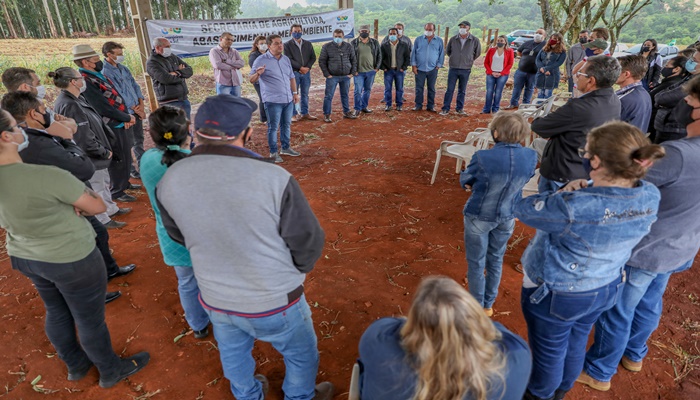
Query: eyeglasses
{"points": [[581, 74], [582, 153]]}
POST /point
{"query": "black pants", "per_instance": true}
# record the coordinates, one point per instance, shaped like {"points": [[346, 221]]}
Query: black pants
{"points": [[261, 105], [120, 167], [102, 241], [137, 134], [74, 297]]}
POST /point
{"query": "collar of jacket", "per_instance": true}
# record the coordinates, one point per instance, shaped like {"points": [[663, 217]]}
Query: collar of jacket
{"points": [[40, 132], [227, 150], [608, 91]]}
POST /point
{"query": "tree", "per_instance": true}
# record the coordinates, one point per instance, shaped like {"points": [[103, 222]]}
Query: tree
{"points": [[60, 20], [49, 18], [8, 20], [618, 18]]}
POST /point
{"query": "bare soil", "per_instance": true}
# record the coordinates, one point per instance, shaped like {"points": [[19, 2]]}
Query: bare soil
{"points": [[368, 181]]}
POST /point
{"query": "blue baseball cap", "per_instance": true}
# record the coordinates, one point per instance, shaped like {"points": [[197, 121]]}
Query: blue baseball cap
{"points": [[226, 113]]}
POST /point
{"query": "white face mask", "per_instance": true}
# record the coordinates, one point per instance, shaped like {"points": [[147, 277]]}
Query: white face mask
{"points": [[84, 87], [40, 92], [263, 47], [167, 52], [463, 31], [119, 60], [429, 33], [25, 144], [538, 38], [400, 32]]}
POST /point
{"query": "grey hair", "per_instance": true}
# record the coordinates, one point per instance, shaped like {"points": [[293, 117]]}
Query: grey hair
{"points": [[159, 42], [604, 69]]}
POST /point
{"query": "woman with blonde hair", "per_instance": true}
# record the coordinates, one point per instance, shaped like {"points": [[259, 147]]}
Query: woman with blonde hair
{"points": [[548, 61], [447, 349]]}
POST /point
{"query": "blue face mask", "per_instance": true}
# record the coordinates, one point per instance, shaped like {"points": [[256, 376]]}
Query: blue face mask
{"points": [[691, 65], [392, 38], [590, 53], [337, 40], [587, 165], [296, 35]]}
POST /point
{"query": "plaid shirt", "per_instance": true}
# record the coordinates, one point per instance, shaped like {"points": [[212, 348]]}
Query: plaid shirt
{"points": [[106, 87]]}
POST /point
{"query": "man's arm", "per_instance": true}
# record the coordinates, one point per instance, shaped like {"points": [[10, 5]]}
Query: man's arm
{"points": [[288, 51], [378, 55], [312, 55], [666, 170], [477, 49], [184, 72], [441, 55], [554, 123], [160, 74], [448, 50], [353, 61], [299, 228], [94, 96], [217, 62], [85, 137], [323, 61]]}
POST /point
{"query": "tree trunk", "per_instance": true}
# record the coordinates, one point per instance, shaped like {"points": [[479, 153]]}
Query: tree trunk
{"points": [[547, 15], [167, 12], [8, 20], [94, 18], [19, 18], [75, 27], [60, 20], [127, 16], [49, 19], [179, 7], [111, 15]]}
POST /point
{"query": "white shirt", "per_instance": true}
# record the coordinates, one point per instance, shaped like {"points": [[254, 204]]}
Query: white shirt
{"points": [[497, 61]]}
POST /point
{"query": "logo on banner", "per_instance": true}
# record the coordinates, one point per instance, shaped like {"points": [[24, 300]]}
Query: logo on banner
{"points": [[171, 31], [342, 18]]}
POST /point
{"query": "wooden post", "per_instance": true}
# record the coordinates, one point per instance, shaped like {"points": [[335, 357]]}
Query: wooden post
{"points": [[287, 14], [141, 12], [437, 33], [376, 29], [483, 34], [488, 38], [345, 4], [495, 38], [447, 33]]}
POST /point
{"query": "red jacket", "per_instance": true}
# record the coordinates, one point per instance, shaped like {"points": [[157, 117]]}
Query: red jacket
{"points": [[507, 61]]}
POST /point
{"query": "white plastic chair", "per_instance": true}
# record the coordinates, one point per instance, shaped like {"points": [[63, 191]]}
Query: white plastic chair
{"points": [[538, 108], [562, 98], [463, 151], [354, 393], [531, 187]]}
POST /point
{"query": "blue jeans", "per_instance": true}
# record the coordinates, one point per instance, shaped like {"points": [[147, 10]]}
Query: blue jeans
{"points": [[557, 329], [485, 243], [195, 315], [232, 90], [303, 85], [522, 80], [363, 88], [184, 104], [421, 78], [454, 75], [544, 93], [395, 77], [494, 91], [625, 328], [331, 83], [279, 116], [291, 332]]}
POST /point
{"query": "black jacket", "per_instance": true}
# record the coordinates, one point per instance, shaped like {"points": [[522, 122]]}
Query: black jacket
{"points": [[566, 129], [93, 136], [168, 87], [337, 60], [109, 113], [403, 56], [45, 149], [376, 52], [304, 58], [665, 101]]}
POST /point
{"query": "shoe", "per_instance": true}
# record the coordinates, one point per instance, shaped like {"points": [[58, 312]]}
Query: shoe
{"points": [[510, 107], [444, 112], [202, 333], [121, 211], [430, 109], [383, 101], [403, 99], [80, 373], [518, 268], [488, 312], [593, 383], [633, 366], [126, 198], [135, 175], [484, 112], [461, 112], [309, 117], [387, 108], [134, 186], [417, 108], [121, 271], [128, 367], [296, 118], [265, 383], [349, 115], [399, 108], [366, 111], [327, 118], [324, 391], [290, 152], [112, 224], [111, 296], [277, 157]]}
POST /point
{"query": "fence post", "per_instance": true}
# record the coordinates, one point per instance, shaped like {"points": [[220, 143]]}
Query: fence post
{"points": [[376, 29], [447, 33], [483, 34], [495, 38]]}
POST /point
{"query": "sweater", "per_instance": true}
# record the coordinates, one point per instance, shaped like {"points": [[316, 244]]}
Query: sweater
{"points": [[463, 56]]}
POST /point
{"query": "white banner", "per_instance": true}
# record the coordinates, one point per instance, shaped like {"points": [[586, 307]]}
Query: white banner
{"points": [[195, 38]]}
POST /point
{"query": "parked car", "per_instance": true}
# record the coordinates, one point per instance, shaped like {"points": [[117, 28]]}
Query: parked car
{"points": [[666, 52], [517, 42], [518, 33]]}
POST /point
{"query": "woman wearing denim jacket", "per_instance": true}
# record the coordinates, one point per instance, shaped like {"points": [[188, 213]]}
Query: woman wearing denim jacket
{"points": [[496, 178], [585, 234], [169, 130], [548, 61]]}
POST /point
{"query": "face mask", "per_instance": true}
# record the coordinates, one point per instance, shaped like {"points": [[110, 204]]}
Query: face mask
{"points": [[337, 40], [583, 40], [98, 66], [553, 42], [262, 47], [666, 72], [645, 49], [429, 33], [500, 44], [47, 118], [684, 114], [587, 165], [539, 38], [119, 60], [40, 92], [463, 31], [400, 31], [364, 35], [167, 52], [296, 35], [24, 144], [590, 53], [393, 38], [691, 65]]}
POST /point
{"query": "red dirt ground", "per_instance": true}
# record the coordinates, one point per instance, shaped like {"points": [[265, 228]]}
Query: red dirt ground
{"points": [[386, 228]]}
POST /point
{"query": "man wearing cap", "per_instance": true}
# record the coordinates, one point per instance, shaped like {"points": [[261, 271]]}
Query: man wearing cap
{"points": [[426, 59], [303, 57], [338, 64], [524, 78], [270, 227], [169, 74], [369, 59], [278, 88], [462, 49], [102, 95]]}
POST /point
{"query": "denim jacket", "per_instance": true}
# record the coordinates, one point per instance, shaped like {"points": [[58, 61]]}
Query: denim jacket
{"points": [[584, 237], [497, 177]]}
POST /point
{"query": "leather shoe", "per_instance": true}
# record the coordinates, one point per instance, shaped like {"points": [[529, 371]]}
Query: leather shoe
{"points": [[122, 211], [324, 391], [128, 367], [121, 271], [349, 115], [125, 198], [202, 333], [309, 117], [112, 224], [593, 383], [79, 373], [134, 186], [366, 111], [111, 296], [510, 107]]}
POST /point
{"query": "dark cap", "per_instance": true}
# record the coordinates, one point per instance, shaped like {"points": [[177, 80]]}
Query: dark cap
{"points": [[226, 113], [465, 23], [597, 44]]}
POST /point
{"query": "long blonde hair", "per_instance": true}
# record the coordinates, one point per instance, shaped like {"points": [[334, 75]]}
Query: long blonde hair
{"points": [[449, 340]]}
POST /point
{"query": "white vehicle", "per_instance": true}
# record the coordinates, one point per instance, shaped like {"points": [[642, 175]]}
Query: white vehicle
{"points": [[666, 52]]}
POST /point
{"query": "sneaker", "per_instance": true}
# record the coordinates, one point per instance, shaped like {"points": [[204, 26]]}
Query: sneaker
{"points": [[510, 107], [265, 383], [202, 333], [387, 108], [296, 118], [484, 112], [327, 118], [276, 157], [324, 391], [128, 367], [366, 110], [593, 383], [135, 175], [134, 186], [633, 366], [399, 108], [121, 211], [126, 198], [112, 224], [309, 117], [444, 112], [349, 115], [430, 109], [417, 108], [290, 152], [462, 113]]}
